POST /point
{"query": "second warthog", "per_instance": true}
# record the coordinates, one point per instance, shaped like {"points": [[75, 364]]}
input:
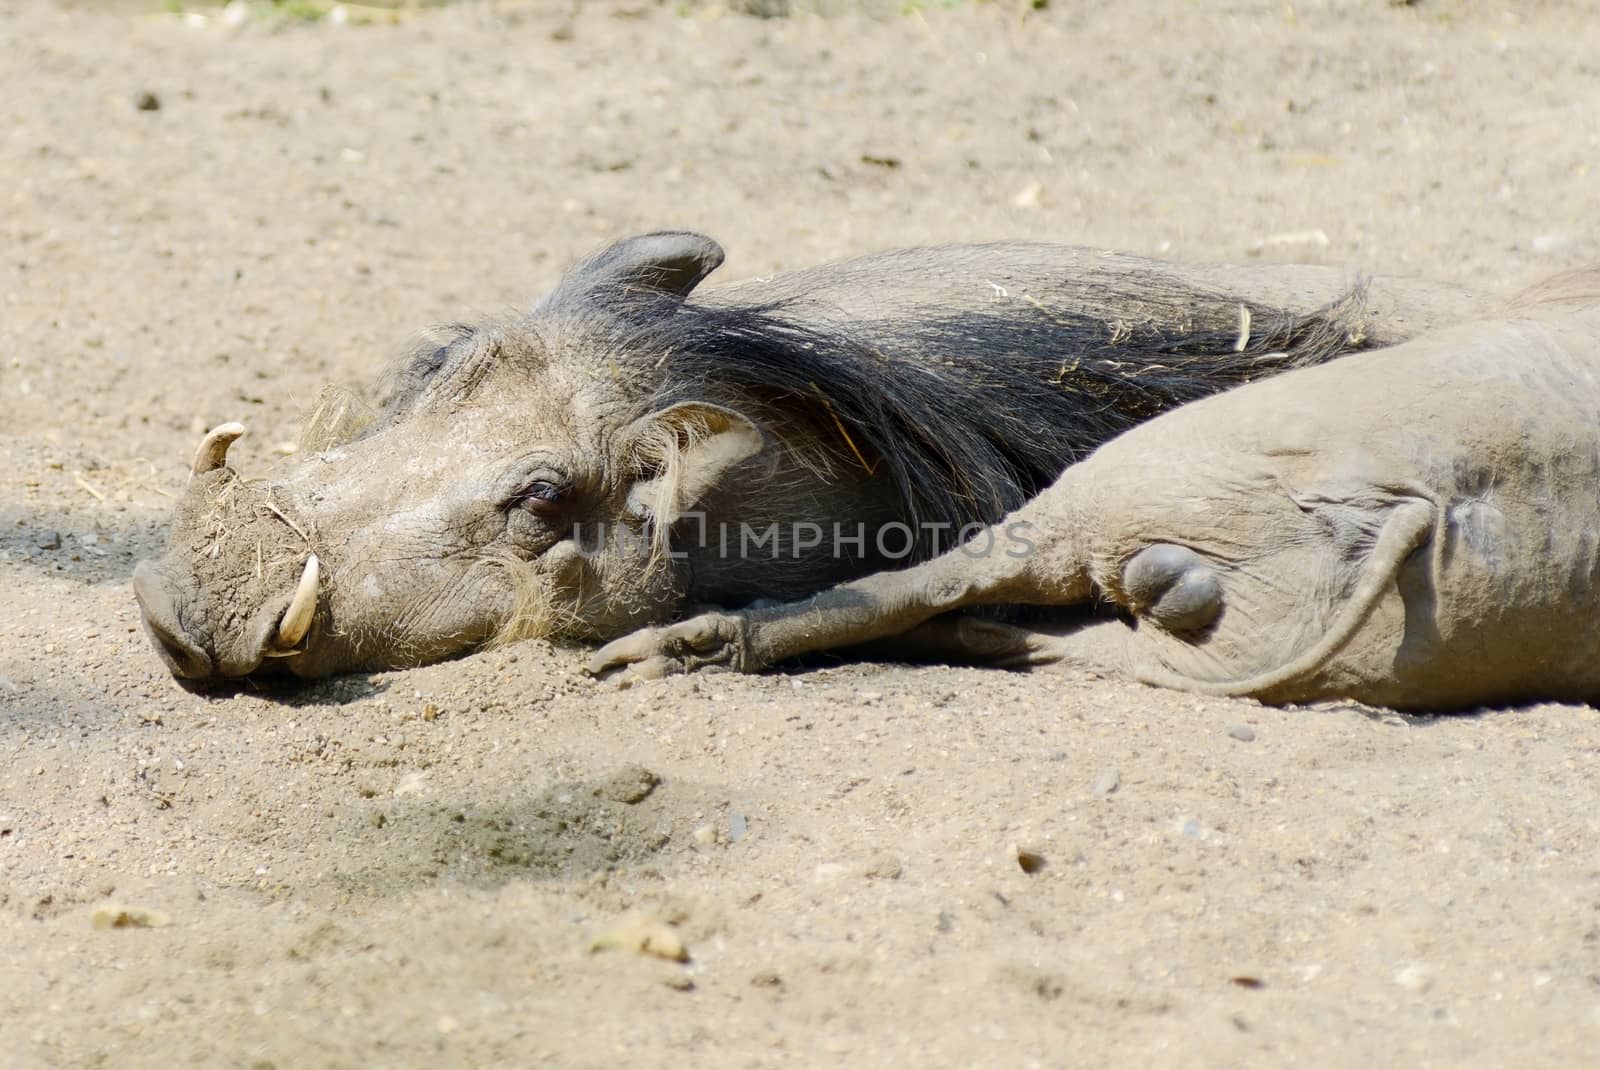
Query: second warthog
{"points": [[1417, 528], [624, 450]]}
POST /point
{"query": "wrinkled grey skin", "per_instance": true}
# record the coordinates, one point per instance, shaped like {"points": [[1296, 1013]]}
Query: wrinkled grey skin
{"points": [[1416, 528], [431, 523]]}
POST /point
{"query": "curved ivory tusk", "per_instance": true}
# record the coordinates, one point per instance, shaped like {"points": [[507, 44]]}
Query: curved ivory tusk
{"points": [[213, 449], [302, 607]]}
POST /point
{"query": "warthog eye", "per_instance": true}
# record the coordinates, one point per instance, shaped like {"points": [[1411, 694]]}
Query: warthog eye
{"points": [[542, 496]]}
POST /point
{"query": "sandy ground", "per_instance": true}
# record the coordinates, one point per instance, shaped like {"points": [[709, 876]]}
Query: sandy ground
{"points": [[409, 869]]}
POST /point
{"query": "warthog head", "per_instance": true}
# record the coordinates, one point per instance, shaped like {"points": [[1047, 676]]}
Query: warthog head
{"points": [[507, 483]]}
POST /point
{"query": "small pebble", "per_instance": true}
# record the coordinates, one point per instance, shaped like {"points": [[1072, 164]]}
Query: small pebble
{"points": [[48, 540], [679, 982], [704, 836], [1028, 860], [147, 101], [1030, 196], [1242, 732], [117, 916], [885, 867], [1107, 782], [737, 826], [1413, 978], [631, 784], [645, 934]]}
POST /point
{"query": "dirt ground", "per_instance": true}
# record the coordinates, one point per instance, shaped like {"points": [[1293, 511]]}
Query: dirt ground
{"points": [[204, 221]]}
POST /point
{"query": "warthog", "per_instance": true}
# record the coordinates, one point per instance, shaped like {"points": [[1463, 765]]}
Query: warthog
{"points": [[622, 451], [1416, 528]]}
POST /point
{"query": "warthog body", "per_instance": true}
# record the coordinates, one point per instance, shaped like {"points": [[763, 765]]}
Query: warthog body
{"points": [[1417, 528], [624, 450]]}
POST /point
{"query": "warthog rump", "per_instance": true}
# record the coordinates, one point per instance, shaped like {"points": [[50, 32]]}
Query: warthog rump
{"points": [[1417, 528], [623, 449]]}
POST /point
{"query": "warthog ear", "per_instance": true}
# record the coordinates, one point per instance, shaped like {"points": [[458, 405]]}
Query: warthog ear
{"points": [[683, 451], [670, 262]]}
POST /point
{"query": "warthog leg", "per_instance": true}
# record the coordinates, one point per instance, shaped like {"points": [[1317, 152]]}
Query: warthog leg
{"points": [[1098, 647], [879, 606]]}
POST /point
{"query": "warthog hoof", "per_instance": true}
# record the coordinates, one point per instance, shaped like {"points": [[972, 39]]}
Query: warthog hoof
{"points": [[1172, 586], [708, 642]]}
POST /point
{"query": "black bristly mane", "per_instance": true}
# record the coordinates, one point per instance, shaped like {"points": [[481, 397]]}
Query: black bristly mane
{"points": [[970, 415]]}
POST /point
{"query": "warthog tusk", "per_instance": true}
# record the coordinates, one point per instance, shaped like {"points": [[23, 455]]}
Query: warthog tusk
{"points": [[302, 607], [213, 449]]}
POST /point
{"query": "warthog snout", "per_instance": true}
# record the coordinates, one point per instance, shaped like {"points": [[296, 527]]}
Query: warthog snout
{"points": [[208, 626], [182, 653], [269, 632], [276, 630]]}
